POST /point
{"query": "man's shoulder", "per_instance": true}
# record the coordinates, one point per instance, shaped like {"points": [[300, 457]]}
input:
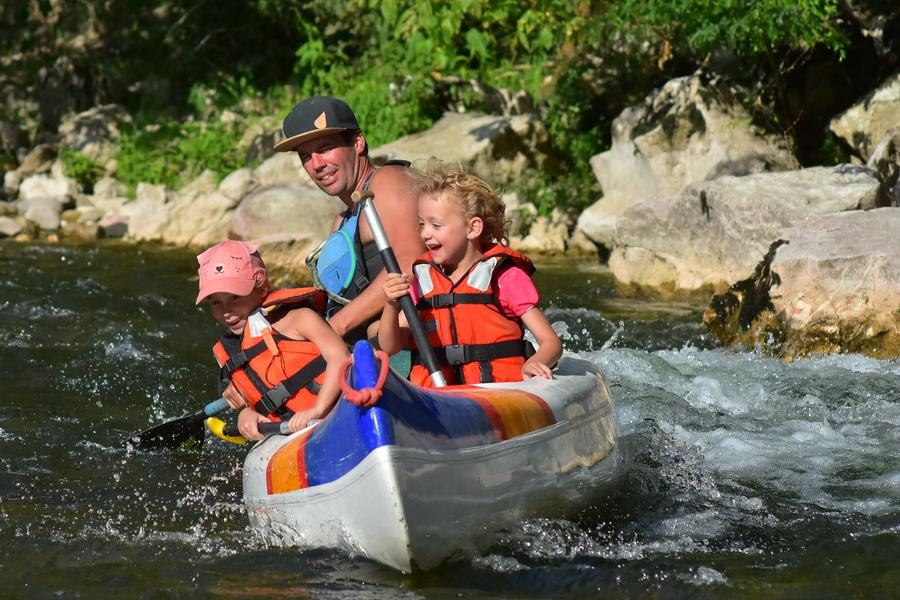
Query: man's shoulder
{"points": [[393, 180]]}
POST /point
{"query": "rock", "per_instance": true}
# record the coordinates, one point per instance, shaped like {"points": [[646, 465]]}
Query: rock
{"points": [[285, 213], [237, 184], [283, 168], [885, 161], [114, 226], [9, 227], [829, 285], [198, 221], [519, 212], [494, 146], [691, 130], [42, 211], [82, 232], [11, 181], [547, 235], [150, 213], [109, 187], [37, 161], [40, 186], [865, 124], [95, 132], [713, 233]]}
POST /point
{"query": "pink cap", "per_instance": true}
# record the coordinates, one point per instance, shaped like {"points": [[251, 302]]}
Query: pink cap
{"points": [[230, 266]]}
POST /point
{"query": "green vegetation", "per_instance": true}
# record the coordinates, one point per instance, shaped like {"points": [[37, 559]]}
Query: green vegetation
{"points": [[402, 63], [81, 168]]}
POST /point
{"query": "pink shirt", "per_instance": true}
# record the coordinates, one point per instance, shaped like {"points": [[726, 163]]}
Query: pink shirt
{"points": [[515, 292]]}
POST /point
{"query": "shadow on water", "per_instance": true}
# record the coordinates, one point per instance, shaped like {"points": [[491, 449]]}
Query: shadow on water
{"points": [[748, 477]]}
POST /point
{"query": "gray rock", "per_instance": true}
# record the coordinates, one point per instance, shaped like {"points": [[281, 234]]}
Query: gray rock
{"points": [[285, 212], [885, 160], [691, 130], [40, 186], [237, 184], [95, 132], [44, 212], [714, 233], [830, 284], [495, 147], [863, 125], [9, 227]]}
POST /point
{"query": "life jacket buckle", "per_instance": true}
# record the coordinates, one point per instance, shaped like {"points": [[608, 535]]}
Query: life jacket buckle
{"points": [[456, 354], [272, 400]]}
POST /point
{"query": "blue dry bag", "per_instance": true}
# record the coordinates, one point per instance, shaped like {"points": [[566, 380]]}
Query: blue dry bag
{"points": [[337, 259]]}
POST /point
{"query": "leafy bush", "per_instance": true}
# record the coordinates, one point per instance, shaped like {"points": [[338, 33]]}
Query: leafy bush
{"points": [[82, 169], [174, 153]]}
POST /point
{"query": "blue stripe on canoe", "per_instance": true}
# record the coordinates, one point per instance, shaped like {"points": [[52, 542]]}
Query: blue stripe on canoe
{"points": [[405, 416]]}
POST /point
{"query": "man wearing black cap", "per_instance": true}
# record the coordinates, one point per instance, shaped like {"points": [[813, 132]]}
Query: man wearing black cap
{"points": [[324, 133]]}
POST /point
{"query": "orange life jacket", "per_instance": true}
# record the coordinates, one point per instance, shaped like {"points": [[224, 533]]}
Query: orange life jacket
{"points": [[275, 385], [472, 339]]}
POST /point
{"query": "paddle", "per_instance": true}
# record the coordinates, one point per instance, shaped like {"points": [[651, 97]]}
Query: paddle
{"points": [[231, 434], [406, 303], [177, 432]]}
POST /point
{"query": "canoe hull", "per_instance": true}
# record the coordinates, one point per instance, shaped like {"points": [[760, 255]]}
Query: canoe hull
{"points": [[411, 505]]}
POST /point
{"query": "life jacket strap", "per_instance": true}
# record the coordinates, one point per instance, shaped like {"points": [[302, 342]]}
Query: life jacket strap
{"points": [[460, 354], [242, 357], [453, 298], [274, 399]]}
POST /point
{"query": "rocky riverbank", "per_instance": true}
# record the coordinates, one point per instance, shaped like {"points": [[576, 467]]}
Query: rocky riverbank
{"points": [[697, 202]]}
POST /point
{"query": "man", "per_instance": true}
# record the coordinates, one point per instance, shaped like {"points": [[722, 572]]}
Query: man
{"points": [[324, 133]]}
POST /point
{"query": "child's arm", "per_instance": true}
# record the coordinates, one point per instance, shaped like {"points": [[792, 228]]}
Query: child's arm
{"points": [[309, 325], [550, 350], [393, 331]]}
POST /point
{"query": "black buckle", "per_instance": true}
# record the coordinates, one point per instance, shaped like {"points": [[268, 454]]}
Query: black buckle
{"points": [[272, 400], [456, 354]]}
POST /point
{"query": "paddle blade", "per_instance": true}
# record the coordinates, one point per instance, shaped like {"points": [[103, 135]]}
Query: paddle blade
{"points": [[184, 432]]}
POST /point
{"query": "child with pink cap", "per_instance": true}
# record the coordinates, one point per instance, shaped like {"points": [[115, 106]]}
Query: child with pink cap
{"points": [[279, 359]]}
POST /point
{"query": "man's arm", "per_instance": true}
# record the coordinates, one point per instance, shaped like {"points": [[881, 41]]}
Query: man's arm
{"points": [[397, 209]]}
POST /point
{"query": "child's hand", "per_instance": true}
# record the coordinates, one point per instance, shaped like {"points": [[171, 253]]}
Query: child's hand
{"points": [[536, 369], [233, 397], [302, 419], [396, 286], [248, 423]]}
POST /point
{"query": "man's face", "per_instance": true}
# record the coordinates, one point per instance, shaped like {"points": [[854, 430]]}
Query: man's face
{"points": [[332, 162]]}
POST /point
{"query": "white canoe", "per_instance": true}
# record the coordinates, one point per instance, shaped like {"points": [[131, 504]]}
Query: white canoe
{"points": [[428, 474]]}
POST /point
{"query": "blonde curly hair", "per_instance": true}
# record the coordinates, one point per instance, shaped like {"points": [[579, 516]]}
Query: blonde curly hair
{"points": [[474, 195]]}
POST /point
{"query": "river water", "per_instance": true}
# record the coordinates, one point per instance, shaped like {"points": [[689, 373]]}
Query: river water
{"points": [[750, 477]]}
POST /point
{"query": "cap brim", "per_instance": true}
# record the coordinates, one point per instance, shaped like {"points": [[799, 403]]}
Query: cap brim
{"points": [[229, 285], [288, 144]]}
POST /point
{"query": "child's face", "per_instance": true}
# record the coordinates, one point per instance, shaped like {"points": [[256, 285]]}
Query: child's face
{"points": [[232, 311], [444, 229]]}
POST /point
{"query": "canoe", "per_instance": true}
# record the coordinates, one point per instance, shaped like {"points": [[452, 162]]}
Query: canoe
{"points": [[426, 475]]}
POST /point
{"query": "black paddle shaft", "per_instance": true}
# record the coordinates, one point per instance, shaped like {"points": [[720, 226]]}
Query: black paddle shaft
{"points": [[406, 303]]}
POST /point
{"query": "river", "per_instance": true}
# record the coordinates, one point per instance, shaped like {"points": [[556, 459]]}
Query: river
{"points": [[750, 477]]}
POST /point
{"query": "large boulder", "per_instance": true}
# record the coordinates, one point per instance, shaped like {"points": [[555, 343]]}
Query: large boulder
{"points": [[829, 284], [713, 233], [95, 132], [865, 124], [494, 146], [691, 130], [285, 212]]}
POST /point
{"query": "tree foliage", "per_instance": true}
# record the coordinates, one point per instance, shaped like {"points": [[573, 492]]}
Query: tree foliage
{"points": [[400, 63]]}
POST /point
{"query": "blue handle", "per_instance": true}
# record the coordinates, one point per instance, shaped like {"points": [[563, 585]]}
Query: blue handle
{"points": [[215, 407]]}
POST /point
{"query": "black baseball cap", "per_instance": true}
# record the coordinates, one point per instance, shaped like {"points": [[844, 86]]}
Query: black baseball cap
{"points": [[313, 118]]}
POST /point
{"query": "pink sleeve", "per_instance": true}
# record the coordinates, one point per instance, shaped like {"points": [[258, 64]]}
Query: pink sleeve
{"points": [[516, 292]]}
